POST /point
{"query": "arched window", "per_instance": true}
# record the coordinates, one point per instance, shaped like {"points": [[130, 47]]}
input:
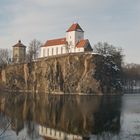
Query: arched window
{"points": [[56, 51], [61, 50], [48, 52], [52, 51]]}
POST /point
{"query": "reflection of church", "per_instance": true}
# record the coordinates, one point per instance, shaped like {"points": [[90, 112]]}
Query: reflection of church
{"points": [[54, 134]]}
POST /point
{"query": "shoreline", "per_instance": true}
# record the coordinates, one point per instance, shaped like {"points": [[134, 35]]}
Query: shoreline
{"points": [[59, 93]]}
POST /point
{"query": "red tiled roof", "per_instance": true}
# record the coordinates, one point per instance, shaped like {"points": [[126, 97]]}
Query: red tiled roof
{"points": [[75, 27], [19, 44], [82, 43], [53, 42]]}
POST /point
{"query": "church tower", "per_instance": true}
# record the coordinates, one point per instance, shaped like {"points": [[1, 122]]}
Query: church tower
{"points": [[19, 52], [74, 34]]}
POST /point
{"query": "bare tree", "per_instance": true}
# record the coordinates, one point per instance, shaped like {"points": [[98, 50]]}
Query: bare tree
{"points": [[33, 50], [114, 53], [109, 67], [4, 56], [131, 77]]}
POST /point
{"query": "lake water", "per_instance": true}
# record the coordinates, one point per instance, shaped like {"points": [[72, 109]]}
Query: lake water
{"points": [[69, 117]]}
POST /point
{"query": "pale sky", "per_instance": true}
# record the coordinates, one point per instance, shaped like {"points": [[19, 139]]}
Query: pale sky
{"points": [[114, 21]]}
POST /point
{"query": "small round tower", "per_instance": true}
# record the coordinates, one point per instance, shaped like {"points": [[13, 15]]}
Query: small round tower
{"points": [[19, 52]]}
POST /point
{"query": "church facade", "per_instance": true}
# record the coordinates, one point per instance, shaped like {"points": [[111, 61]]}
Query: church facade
{"points": [[74, 42]]}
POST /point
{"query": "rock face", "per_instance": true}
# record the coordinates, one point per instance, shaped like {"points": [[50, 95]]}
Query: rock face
{"points": [[73, 73]]}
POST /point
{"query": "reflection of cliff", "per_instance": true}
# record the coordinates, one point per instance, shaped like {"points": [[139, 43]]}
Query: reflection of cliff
{"points": [[2, 104], [77, 115], [74, 73], [81, 115], [13, 109], [108, 116]]}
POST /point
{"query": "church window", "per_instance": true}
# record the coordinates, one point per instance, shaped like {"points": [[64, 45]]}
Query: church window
{"points": [[48, 52], [56, 50], [52, 51], [61, 50]]}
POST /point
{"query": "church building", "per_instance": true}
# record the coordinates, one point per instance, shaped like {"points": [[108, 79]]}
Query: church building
{"points": [[74, 42]]}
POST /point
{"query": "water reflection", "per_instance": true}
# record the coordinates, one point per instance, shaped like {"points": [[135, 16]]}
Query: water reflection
{"points": [[61, 117], [57, 134]]}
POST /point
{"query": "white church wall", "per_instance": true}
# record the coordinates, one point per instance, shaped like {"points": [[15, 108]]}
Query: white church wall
{"points": [[79, 50], [70, 38], [58, 50], [53, 50], [75, 50]]}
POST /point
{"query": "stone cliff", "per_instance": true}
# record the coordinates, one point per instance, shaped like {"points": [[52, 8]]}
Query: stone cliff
{"points": [[73, 73]]}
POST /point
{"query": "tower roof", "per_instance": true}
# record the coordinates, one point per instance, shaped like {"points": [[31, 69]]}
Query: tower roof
{"points": [[75, 27], [19, 44]]}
